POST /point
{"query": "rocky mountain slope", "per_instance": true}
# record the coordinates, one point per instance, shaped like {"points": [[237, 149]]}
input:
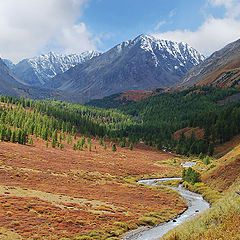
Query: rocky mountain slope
{"points": [[221, 69], [9, 83], [144, 63], [13, 86], [40, 70], [9, 64]]}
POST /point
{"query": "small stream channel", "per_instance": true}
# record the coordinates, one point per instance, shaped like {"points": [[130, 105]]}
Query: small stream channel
{"points": [[196, 204]]}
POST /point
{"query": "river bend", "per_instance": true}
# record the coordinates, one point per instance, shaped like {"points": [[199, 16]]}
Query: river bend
{"points": [[196, 204]]}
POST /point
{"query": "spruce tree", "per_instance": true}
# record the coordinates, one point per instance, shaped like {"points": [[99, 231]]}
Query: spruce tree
{"points": [[131, 146], [90, 146], [54, 135], [206, 160], [13, 136], [114, 148], [53, 143], [200, 156], [69, 139], [74, 146]]}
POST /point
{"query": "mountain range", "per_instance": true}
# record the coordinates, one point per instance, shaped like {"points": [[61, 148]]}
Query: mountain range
{"points": [[143, 63], [13, 86], [39, 71]]}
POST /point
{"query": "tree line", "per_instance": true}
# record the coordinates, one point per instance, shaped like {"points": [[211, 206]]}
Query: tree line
{"points": [[153, 120]]}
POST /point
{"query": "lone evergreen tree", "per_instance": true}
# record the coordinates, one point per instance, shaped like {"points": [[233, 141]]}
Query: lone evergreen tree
{"points": [[53, 143], [69, 139], [114, 148], [54, 136], [74, 146], [90, 146], [131, 146], [191, 176], [206, 160], [200, 155]]}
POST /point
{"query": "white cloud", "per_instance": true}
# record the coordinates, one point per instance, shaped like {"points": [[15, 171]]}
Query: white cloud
{"points": [[216, 3], [232, 7], [211, 36], [28, 27], [158, 26], [214, 33]]}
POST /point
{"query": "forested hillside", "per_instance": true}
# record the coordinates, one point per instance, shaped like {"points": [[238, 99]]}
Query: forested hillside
{"points": [[153, 120], [160, 116], [21, 117]]}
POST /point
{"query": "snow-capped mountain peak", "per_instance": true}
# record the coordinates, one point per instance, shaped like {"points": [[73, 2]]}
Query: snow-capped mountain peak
{"points": [[41, 69], [178, 54], [181, 50], [142, 63]]}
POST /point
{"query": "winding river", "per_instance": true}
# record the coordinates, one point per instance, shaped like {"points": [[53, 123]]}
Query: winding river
{"points": [[196, 204]]}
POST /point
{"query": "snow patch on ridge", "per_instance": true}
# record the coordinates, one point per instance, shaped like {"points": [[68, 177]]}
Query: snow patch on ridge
{"points": [[47, 66]]}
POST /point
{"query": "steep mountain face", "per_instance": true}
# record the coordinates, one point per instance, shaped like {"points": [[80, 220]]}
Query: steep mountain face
{"points": [[144, 63], [221, 69], [8, 81], [40, 70], [9, 64]]}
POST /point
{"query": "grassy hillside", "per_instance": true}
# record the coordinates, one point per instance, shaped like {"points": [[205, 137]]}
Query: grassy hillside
{"points": [[222, 220], [227, 76]]}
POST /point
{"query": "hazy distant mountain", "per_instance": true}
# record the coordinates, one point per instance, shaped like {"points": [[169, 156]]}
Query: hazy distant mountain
{"points": [[144, 63], [9, 64], [40, 70], [13, 86], [9, 83], [221, 69]]}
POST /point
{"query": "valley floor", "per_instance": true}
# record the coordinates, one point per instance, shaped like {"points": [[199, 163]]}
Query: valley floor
{"points": [[48, 193]]}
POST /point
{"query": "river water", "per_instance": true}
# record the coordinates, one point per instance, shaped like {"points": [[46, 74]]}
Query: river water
{"points": [[196, 204]]}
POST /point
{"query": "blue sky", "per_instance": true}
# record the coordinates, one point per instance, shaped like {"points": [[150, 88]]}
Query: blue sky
{"points": [[118, 21], [32, 27]]}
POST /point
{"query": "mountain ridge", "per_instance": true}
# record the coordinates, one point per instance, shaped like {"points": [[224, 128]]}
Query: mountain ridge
{"points": [[143, 63], [39, 70], [214, 70]]}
